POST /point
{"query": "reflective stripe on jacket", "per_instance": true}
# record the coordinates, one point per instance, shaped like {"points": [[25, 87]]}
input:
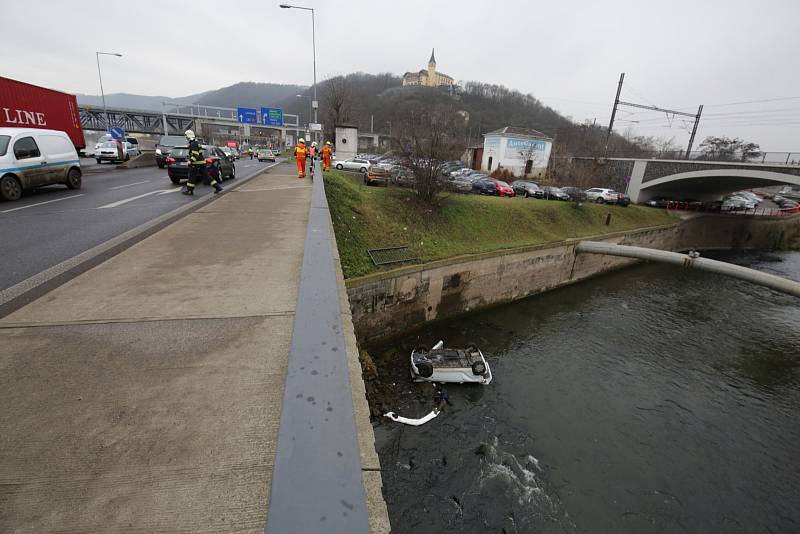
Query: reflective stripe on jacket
{"points": [[196, 154], [300, 151]]}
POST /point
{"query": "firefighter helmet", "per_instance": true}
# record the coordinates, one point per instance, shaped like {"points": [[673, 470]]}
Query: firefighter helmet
{"points": [[189, 135]]}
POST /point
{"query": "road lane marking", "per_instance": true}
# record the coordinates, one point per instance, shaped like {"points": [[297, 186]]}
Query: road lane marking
{"points": [[42, 203], [168, 191], [137, 197], [129, 185]]}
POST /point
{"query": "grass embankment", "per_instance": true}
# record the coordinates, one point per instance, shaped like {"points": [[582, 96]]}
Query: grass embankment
{"points": [[373, 217]]}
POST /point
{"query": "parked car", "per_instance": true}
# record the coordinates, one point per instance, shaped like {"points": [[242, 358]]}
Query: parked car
{"points": [[460, 184], [165, 146], [602, 195], [736, 203], [31, 158], [109, 151], [402, 177], [527, 189], [490, 186], [750, 196], [265, 154], [575, 193], [354, 164], [217, 164], [554, 193], [376, 175], [658, 202]]}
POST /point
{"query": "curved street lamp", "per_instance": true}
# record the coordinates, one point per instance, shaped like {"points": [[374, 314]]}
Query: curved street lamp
{"points": [[102, 92], [313, 49]]}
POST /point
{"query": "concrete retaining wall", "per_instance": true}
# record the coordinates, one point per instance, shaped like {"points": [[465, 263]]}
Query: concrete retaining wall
{"points": [[388, 303]]}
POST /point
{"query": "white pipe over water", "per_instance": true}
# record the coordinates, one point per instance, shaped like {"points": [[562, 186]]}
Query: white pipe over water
{"points": [[777, 283]]}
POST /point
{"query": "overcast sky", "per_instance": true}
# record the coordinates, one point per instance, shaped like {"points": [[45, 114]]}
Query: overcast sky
{"points": [[569, 54]]}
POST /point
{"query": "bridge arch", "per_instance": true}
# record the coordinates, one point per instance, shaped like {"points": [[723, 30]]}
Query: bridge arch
{"points": [[708, 184]]}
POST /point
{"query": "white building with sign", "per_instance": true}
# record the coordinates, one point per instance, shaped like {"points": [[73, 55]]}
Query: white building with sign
{"points": [[524, 152]]}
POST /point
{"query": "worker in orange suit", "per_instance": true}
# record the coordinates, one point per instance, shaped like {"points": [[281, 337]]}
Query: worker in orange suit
{"points": [[327, 154], [300, 153]]}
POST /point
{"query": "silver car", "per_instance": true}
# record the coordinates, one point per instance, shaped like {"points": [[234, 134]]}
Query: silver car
{"points": [[355, 164]]}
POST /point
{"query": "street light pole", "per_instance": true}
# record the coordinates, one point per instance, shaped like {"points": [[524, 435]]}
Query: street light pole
{"points": [[102, 92], [315, 102]]}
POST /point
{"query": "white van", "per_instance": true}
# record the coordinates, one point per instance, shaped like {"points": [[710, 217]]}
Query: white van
{"points": [[31, 158]]}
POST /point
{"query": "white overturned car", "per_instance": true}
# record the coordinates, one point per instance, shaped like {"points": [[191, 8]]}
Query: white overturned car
{"points": [[449, 365]]}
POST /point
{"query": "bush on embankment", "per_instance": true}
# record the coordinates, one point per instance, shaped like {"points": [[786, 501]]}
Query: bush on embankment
{"points": [[373, 217]]}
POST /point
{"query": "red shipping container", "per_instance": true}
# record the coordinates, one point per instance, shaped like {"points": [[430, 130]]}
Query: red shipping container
{"points": [[23, 105]]}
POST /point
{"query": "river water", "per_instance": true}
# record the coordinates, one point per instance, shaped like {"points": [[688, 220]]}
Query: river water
{"points": [[648, 400]]}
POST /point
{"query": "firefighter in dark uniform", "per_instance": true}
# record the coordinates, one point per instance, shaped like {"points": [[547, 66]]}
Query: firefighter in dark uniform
{"points": [[197, 166]]}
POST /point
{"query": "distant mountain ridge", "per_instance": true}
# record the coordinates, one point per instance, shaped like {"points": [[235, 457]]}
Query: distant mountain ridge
{"points": [[244, 94]]}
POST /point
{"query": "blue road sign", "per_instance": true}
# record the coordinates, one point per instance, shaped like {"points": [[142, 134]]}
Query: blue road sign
{"points": [[272, 117], [247, 115], [117, 132]]}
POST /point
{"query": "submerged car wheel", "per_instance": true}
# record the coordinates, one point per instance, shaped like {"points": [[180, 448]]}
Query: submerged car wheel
{"points": [[10, 188], [600, 200], [479, 368], [74, 179]]}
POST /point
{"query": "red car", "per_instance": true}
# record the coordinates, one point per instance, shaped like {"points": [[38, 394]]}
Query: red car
{"points": [[490, 186], [504, 190]]}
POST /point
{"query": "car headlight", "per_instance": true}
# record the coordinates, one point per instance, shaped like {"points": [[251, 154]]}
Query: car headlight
{"points": [[158, 151]]}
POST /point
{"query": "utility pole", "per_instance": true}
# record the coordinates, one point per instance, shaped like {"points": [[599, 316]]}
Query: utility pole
{"points": [[694, 131], [614, 110]]}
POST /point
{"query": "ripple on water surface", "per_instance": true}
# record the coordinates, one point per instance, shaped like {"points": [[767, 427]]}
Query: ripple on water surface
{"points": [[648, 400]]}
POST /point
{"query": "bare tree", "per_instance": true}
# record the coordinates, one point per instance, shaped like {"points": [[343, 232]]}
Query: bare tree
{"points": [[426, 136], [336, 103]]}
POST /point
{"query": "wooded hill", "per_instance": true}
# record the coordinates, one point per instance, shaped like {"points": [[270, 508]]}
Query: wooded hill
{"points": [[360, 98]]}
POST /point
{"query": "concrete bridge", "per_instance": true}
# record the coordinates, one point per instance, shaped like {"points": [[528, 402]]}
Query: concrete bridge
{"points": [[702, 180]]}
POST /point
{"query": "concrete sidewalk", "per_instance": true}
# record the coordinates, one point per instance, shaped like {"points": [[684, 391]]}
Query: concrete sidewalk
{"points": [[144, 395]]}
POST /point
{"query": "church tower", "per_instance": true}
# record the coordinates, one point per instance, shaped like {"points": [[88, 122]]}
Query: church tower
{"points": [[432, 69]]}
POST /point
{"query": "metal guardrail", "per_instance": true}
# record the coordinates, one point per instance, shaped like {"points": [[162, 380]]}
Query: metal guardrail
{"points": [[316, 479], [790, 287]]}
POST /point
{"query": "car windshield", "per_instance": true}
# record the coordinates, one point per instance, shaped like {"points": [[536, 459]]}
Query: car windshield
{"points": [[172, 140], [109, 144], [180, 152], [500, 182], [4, 139]]}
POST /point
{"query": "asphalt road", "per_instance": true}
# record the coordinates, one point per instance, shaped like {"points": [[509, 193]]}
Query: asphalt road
{"points": [[53, 224]]}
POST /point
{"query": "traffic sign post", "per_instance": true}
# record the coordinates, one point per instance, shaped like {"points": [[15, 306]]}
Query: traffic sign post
{"points": [[272, 117], [247, 115], [117, 133]]}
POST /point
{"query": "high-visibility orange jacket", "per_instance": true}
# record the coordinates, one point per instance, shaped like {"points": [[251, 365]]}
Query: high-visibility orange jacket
{"points": [[327, 152], [300, 151]]}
